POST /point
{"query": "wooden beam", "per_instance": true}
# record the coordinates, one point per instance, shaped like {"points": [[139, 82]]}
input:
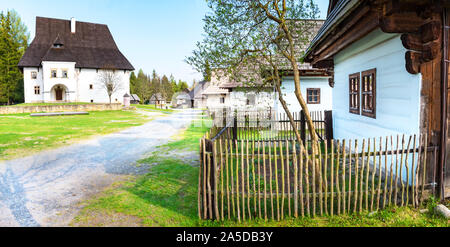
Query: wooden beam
{"points": [[430, 31], [407, 22], [413, 62], [358, 31]]}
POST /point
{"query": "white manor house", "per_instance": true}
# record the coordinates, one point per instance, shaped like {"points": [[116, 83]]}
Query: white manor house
{"points": [[65, 61]]}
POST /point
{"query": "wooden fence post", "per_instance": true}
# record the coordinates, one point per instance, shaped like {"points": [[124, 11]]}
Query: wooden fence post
{"points": [[235, 126], [303, 126], [329, 126], [212, 177]]}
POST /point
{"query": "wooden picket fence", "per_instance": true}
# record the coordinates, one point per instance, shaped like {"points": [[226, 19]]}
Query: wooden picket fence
{"points": [[270, 125], [266, 179]]}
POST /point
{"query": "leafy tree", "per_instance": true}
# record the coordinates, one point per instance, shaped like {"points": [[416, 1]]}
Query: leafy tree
{"points": [[256, 39], [13, 43], [182, 85]]}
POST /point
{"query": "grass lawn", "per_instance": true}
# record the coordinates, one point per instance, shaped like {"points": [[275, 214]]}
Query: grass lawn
{"points": [[167, 196], [21, 134], [153, 108]]}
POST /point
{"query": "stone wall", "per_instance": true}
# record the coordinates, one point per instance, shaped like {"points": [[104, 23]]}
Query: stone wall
{"points": [[59, 108]]}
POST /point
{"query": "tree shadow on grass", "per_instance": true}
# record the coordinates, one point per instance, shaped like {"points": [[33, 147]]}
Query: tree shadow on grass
{"points": [[171, 185]]}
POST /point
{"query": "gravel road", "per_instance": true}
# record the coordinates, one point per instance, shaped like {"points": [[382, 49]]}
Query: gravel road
{"points": [[46, 189]]}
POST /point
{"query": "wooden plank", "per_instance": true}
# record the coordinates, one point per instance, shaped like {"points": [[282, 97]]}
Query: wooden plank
{"points": [[199, 193], [332, 179], [355, 204], [295, 164], [386, 173], [215, 183], [205, 200], [265, 181], [288, 176], [407, 171], [344, 163], [374, 156], [338, 186], [350, 160], [276, 179], [320, 177], [396, 172], [367, 175], [413, 180], [361, 176], [379, 172], [232, 182], [270, 182], [283, 185], [301, 157]]}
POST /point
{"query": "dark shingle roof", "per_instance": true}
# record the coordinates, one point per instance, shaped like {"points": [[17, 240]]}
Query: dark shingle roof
{"points": [[91, 46]]}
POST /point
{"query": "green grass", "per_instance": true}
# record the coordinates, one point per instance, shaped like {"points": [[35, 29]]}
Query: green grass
{"points": [[21, 134], [153, 108], [189, 139], [167, 196]]}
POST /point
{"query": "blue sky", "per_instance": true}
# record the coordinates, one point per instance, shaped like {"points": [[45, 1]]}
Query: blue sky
{"points": [[152, 34]]}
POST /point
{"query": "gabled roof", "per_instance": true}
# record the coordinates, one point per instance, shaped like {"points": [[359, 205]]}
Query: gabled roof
{"points": [[135, 97], [91, 46], [157, 96], [214, 89], [338, 10], [198, 90]]}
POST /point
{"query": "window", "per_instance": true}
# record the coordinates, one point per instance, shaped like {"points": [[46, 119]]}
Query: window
{"points": [[222, 100], [91, 86], [34, 75], [251, 99], [53, 73], [65, 74], [368, 93], [37, 90], [313, 95], [354, 93]]}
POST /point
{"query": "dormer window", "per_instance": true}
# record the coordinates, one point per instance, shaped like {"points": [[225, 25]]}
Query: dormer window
{"points": [[57, 45], [53, 73]]}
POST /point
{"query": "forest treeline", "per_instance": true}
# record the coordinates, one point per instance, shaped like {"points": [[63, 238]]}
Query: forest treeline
{"points": [[145, 86]]}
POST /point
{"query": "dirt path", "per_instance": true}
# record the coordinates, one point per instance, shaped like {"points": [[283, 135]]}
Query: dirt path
{"points": [[44, 189]]}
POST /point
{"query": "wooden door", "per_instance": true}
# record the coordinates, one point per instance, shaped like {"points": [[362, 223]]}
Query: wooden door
{"points": [[59, 94]]}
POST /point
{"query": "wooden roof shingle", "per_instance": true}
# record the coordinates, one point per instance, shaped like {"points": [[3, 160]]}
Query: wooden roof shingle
{"points": [[91, 46]]}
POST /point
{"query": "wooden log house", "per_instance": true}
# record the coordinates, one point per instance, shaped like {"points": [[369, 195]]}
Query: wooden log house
{"points": [[390, 66]]}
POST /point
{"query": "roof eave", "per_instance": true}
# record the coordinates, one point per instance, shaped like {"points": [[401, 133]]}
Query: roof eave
{"points": [[340, 12]]}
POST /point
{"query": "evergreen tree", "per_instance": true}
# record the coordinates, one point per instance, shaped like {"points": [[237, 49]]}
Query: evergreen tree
{"points": [[207, 73], [12, 46], [133, 81]]}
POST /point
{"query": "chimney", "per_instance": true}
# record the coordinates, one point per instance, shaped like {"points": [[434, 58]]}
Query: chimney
{"points": [[73, 25]]}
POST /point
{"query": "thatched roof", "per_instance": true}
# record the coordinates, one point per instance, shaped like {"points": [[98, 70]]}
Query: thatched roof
{"points": [[91, 46]]}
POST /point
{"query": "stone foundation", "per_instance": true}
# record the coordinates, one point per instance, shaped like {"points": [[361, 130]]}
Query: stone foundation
{"points": [[59, 108]]}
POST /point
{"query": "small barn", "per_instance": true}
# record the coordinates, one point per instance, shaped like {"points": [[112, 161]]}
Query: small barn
{"points": [[157, 99], [389, 64], [135, 99]]}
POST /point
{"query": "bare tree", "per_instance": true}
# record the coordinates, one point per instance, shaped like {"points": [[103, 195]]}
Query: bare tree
{"points": [[110, 81], [251, 38]]}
